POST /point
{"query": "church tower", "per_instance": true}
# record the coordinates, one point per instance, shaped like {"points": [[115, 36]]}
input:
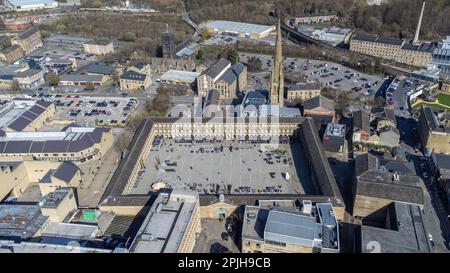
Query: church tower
{"points": [[277, 76]]}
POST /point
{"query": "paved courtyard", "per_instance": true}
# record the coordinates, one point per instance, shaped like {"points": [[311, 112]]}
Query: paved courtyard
{"points": [[203, 167]]}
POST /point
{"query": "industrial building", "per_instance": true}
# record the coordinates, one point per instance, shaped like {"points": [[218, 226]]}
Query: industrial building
{"points": [[334, 36], [441, 57], [252, 31], [287, 228], [26, 5], [396, 50]]}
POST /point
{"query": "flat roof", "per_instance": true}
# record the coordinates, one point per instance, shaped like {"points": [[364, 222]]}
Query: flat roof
{"points": [[230, 26], [163, 229], [179, 75]]}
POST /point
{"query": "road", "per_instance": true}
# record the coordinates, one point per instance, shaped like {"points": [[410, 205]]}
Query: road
{"points": [[186, 18]]}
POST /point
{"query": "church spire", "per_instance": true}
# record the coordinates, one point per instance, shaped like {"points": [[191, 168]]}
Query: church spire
{"points": [[277, 76]]}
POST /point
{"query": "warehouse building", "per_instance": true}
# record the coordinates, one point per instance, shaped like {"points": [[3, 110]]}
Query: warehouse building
{"points": [[24, 5], [252, 31], [98, 47]]}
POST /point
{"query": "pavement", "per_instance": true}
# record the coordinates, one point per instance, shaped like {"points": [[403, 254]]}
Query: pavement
{"points": [[242, 167]]}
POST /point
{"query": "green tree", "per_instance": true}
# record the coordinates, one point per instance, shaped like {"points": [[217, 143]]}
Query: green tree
{"points": [[254, 64], [52, 79], [129, 37], [233, 56]]}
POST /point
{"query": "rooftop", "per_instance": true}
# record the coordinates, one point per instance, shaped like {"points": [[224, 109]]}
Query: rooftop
{"points": [[74, 139], [80, 78], [52, 200], [176, 75], [17, 114], [238, 27], [102, 42], [377, 181], [305, 86], [134, 76], [20, 221], [407, 234], [163, 229], [376, 39]]}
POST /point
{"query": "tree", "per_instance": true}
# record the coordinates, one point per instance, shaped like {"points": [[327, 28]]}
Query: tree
{"points": [[233, 56], [206, 34], [52, 79], [254, 64], [129, 37]]}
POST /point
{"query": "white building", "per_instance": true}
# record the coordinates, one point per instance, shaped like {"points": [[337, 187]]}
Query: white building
{"points": [[23, 5]]}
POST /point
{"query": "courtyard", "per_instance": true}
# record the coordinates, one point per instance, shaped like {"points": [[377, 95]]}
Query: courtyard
{"points": [[226, 167]]}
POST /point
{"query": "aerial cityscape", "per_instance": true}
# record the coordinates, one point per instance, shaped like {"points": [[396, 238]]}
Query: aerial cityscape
{"points": [[238, 126]]}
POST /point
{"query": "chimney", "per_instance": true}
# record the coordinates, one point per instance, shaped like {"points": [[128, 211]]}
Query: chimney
{"points": [[419, 23]]}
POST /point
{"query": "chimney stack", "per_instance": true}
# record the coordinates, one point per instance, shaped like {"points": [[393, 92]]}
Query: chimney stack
{"points": [[419, 23]]}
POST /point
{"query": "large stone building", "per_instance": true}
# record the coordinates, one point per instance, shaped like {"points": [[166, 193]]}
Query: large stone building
{"points": [[286, 228], [29, 40], [11, 54], [276, 95], [303, 91], [396, 50], [137, 77], [17, 176], [378, 183], [98, 47], [434, 130], [30, 78], [117, 196], [224, 77]]}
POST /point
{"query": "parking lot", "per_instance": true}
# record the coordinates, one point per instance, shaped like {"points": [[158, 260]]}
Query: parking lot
{"points": [[92, 111], [400, 90], [327, 73], [208, 167]]}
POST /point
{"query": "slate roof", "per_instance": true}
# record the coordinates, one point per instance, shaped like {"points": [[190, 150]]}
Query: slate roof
{"points": [[361, 120], [376, 39], [375, 181], [66, 171], [214, 70], [29, 116], [318, 102], [133, 76], [88, 139]]}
